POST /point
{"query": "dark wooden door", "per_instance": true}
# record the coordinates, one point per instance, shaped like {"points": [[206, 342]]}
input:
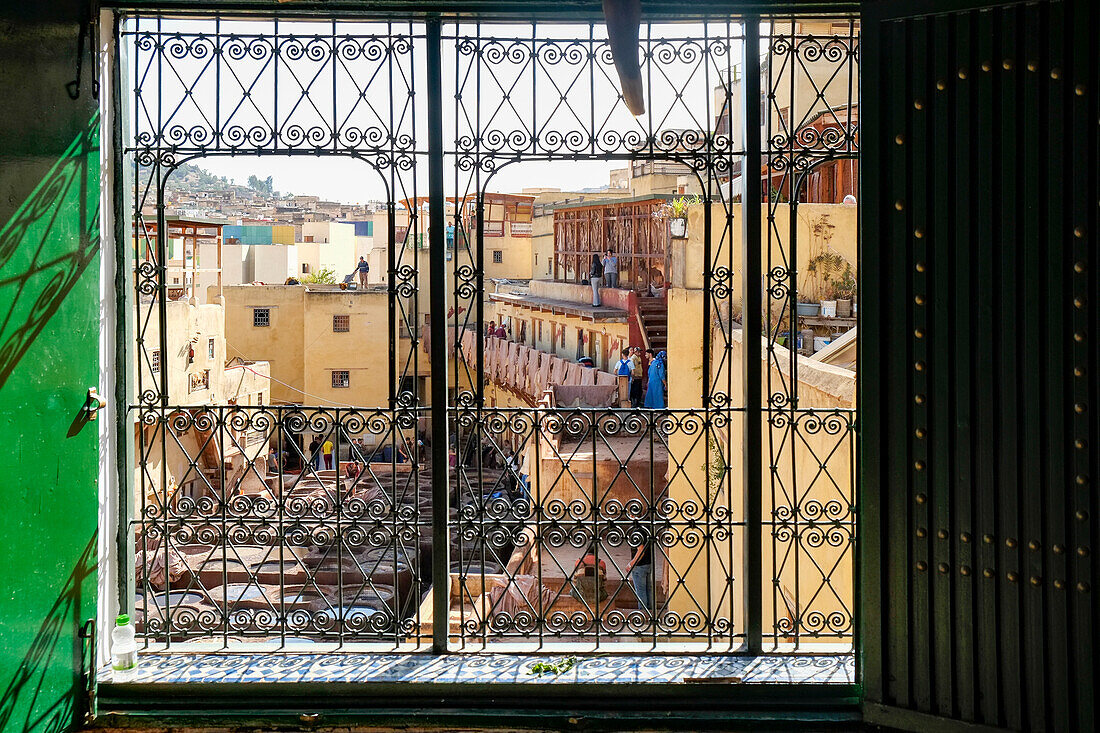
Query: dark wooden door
{"points": [[980, 438]]}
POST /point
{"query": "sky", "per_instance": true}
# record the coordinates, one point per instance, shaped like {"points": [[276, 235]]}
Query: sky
{"points": [[561, 93], [352, 181]]}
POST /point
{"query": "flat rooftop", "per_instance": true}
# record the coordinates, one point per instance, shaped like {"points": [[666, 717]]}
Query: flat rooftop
{"points": [[587, 311]]}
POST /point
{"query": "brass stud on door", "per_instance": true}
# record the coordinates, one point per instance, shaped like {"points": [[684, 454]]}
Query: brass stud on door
{"points": [[1055, 73], [962, 72], [986, 66], [918, 104], [922, 565], [899, 139], [1007, 64], [1079, 90]]}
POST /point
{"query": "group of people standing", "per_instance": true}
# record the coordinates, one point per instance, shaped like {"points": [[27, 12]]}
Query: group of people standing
{"points": [[643, 378], [603, 272]]}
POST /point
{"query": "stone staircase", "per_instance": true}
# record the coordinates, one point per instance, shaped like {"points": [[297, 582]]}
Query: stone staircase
{"points": [[653, 314]]}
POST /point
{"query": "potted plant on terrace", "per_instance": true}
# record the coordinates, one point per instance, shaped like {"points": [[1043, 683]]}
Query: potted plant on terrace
{"points": [[842, 289], [676, 211]]}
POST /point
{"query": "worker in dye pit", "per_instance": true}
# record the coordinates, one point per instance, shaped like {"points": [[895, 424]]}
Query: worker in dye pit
{"points": [[326, 448], [640, 570], [315, 452]]}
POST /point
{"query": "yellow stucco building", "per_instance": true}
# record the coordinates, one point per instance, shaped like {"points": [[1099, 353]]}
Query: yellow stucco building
{"points": [[326, 346]]}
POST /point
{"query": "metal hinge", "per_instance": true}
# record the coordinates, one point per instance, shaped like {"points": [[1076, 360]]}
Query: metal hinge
{"points": [[87, 669]]}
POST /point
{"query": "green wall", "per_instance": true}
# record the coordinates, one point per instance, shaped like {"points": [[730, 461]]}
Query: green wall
{"points": [[49, 334]]}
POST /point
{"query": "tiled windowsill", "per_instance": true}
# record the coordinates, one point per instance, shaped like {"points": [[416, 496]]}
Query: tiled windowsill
{"points": [[366, 668]]}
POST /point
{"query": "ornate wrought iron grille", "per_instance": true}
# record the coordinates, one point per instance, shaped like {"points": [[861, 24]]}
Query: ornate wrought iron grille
{"points": [[527, 535]]}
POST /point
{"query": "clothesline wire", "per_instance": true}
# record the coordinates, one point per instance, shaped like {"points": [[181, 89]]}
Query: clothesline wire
{"points": [[288, 386]]}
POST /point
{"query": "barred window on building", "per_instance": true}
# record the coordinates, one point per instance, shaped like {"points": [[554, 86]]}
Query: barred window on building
{"points": [[341, 323], [210, 348], [261, 317], [498, 256], [341, 379], [154, 359]]}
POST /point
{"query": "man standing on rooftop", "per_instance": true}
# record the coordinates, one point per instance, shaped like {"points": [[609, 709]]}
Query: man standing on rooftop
{"points": [[362, 268]]}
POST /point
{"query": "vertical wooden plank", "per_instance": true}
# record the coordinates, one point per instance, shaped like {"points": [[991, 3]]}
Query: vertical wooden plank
{"points": [[1014, 199], [1043, 562], [975, 226], [897, 356], [870, 486], [918, 335], [1024, 521], [936, 307], [1080, 580]]}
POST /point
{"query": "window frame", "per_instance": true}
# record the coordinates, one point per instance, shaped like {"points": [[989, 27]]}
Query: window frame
{"points": [[346, 380], [390, 691], [256, 317], [341, 319]]}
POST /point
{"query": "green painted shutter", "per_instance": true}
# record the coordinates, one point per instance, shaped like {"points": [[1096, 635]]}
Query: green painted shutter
{"points": [[979, 363], [49, 344]]}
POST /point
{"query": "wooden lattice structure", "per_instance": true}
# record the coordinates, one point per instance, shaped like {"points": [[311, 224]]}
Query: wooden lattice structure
{"points": [[185, 264], [629, 228]]}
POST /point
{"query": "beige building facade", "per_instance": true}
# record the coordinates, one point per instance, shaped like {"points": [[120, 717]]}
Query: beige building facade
{"points": [[326, 346]]}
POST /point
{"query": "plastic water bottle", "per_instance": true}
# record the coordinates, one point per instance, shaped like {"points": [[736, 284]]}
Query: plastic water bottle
{"points": [[123, 650]]}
